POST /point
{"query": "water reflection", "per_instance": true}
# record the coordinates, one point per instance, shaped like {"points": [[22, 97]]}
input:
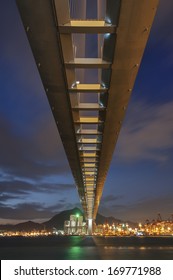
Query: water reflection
{"points": [[86, 248], [82, 253], [74, 253], [136, 253]]}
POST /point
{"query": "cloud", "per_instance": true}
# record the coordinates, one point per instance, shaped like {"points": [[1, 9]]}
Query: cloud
{"points": [[141, 209], [147, 133], [15, 187], [110, 205], [33, 156], [19, 189], [29, 211], [6, 197], [111, 198], [114, 211], [162, 28], [33, 211], [150, 207]]}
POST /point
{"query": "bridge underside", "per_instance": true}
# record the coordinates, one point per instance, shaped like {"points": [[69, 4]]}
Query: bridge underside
{"points": [[88, 115]]}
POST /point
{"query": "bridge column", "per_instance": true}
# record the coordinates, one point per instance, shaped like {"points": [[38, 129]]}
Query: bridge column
{"points": [[90, 226]]}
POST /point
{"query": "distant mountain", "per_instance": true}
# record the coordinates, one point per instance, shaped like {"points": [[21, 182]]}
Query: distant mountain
{"points": [[26, 226], [57, 221], [6, 227], [100, 219]]}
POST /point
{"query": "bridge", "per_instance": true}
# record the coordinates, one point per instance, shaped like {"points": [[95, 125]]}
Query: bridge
{"points": [[88, 89]]}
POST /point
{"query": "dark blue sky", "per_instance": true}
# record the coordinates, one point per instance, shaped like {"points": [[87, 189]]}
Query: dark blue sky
{"points": [[35, 178]]}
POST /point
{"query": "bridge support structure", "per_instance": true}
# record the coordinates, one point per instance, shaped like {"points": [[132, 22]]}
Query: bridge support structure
{"points": [[90, 226], [88, 115]]}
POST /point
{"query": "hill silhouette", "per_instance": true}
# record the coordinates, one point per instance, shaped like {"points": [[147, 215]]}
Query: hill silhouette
{"points": [[57, 221]]}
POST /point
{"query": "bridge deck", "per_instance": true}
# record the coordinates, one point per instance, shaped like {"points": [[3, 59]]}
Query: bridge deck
{"points": [[50, 29]]}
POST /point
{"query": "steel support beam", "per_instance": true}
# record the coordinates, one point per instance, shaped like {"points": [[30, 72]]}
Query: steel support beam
{"points": [[88, 130]]}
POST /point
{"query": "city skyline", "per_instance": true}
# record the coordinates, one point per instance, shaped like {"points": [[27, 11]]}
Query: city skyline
{"points": [[35, 178]]}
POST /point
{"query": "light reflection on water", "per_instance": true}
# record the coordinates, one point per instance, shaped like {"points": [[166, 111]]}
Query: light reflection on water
{"points": [[75, 252], [115, 253], [82, 253], [134, 253], [77, 248]]}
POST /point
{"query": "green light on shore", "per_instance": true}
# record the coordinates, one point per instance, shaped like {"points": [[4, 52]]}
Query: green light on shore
{"points": [[77, 215]]}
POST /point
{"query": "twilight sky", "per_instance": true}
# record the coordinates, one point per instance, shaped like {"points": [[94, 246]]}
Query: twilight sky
{"points": [[35, 178]]}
